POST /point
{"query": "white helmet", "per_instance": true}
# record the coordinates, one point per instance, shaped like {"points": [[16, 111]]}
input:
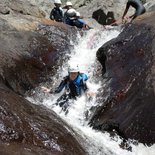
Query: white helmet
{"points": [[73, 69], [69, 4], [71, 13], [77, 14], [57, 1]]}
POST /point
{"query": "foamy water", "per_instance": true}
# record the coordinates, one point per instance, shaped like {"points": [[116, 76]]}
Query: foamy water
{"points": [[95, 142]]}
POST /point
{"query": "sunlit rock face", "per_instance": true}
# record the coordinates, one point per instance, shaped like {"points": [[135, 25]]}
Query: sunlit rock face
{"points": [[36, 8], [127, 101], [150, 5]]}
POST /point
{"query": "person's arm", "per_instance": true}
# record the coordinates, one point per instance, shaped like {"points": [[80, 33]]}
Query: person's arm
{"points": [[84, 84], [65, 17], [58, 89], [84, 76], [51, 14], [126, 10], [61, 86], [62, 12]]}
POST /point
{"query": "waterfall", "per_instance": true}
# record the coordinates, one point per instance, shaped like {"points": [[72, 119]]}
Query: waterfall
{"points": [[84, 55]]}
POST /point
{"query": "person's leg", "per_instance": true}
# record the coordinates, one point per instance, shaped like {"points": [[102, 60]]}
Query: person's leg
{"points": [[139, 12], [69, 22], [62, 100], [79, 23]]}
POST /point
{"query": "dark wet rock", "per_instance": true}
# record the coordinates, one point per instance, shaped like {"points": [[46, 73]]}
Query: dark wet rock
{"points": [[31, 50], [26, 128], [18, 149], [127, 100]]}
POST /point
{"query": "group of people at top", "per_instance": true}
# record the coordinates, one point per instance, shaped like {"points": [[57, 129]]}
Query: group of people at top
{"points": [[73, 18], [70, 17], [75, 83]]}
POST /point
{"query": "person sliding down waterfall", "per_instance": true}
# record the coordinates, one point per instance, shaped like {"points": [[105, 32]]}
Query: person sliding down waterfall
{"points": [[74, 84]]}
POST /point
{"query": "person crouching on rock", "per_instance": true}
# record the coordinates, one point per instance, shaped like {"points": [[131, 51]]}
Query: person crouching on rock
{"points": [[72, 17], [137, 4], [78, 22], [74, 84], [57, 12], [69, 14]]}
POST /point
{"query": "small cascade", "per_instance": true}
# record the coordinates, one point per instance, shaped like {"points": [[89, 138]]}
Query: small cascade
{"points": [[84, 55]]}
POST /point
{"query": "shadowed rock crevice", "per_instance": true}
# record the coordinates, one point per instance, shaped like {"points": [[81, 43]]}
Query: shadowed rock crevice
{"points": [[103, 18]]}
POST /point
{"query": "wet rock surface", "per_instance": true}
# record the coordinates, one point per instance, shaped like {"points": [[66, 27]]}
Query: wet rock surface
{"points": [[129, 83], [26, 128], [31, 51], [150, 5]]}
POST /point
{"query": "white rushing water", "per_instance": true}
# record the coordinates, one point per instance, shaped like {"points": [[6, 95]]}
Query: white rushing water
{"points": [[96, 143]]}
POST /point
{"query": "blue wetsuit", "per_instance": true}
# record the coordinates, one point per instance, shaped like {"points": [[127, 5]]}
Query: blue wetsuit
{"points": [[74, 88], [79, 23], [137, 4]]}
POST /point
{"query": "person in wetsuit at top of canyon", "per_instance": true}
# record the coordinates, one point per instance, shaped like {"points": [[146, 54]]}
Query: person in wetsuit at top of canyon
{"points": [[137, 4]]}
